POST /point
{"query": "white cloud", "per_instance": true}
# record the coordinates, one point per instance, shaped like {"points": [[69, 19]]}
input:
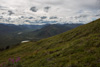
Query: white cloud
{"points": [[66, 10]]}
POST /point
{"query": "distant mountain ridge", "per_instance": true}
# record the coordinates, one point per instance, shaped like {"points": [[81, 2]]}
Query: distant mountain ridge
{"points": [[54, 29], [8, 28], [79, 47], [11, 35]]}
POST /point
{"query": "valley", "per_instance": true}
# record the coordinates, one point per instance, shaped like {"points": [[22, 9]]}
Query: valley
{"points": [[12, 35], [79, 47], [49, 33]]}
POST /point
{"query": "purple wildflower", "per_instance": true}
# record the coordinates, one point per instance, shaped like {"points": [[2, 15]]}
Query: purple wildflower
{"points": [[1, 65], [9, 59], [12, 60], [18, 59]]}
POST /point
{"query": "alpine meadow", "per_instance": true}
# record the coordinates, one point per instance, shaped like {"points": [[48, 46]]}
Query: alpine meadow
{"points": [[49, 33], [79, 47]]}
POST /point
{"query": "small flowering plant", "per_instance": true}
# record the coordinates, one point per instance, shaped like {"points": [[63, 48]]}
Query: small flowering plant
{"points": [[12, 63]]}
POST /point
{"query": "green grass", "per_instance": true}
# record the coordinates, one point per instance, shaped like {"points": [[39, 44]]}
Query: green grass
{"points": [[79, 47]]}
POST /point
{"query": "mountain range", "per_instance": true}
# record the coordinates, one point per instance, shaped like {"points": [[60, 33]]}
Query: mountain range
{"points": [[9, 28], [53, 29], [11, 34], [79, 47], [14, 34]]}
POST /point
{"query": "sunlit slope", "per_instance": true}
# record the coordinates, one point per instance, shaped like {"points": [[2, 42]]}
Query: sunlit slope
{"points": [[79, 47]]}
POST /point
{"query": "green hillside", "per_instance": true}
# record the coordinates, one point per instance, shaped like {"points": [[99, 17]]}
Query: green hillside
{"points": [[79, 47]]}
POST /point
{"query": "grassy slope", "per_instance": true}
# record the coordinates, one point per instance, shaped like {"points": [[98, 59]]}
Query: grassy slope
{"points": [[79, 47]]}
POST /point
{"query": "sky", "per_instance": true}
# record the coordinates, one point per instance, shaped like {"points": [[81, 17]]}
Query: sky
{"points": [[38, 12]]}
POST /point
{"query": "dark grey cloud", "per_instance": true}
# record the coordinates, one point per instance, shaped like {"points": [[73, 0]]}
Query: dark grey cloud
{"points": [[22, 16], [27, 20], [34, 9], [31, 18], [80, 16], [53, 17], [43, 17], [46, 9], [10, 12]]}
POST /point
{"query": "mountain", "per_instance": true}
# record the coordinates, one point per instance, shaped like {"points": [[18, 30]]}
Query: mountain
{"points": [[8, 28], [54, 29], [13, 34], [79, 47]]}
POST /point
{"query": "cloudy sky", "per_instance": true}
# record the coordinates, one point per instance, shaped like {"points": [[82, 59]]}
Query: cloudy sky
{"points": [[48, 11]]}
